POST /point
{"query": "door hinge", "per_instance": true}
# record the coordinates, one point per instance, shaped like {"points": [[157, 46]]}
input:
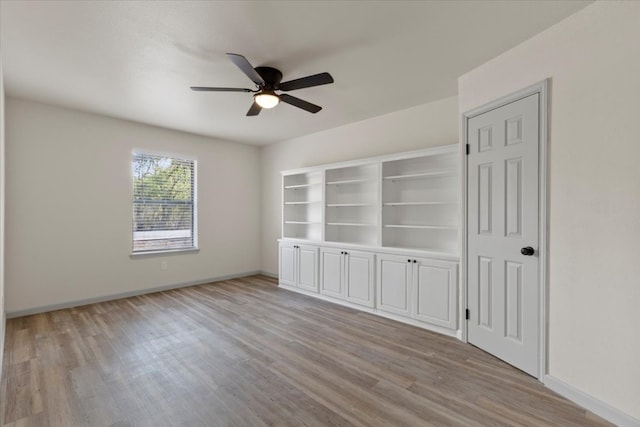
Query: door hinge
{"points": [[466, 314], [468, 149]]}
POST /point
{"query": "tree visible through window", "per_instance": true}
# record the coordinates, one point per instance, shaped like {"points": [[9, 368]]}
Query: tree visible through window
{"points": [[163, 203]]}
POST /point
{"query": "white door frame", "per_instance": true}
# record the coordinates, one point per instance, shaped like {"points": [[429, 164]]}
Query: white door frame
{"points": [[541, 89]]}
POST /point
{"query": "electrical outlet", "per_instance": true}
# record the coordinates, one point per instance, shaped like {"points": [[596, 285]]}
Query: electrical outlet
{"points": [[163, 265]]}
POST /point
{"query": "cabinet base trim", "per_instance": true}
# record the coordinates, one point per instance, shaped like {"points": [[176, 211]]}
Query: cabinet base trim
{"points": [[401, 319]]}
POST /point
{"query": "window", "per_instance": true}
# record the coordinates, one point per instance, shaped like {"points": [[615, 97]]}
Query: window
{"points": [[163, 203]]}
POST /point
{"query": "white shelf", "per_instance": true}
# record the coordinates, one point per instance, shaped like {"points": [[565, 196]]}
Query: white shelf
{"points": [[432, 251], [346, 205], [431, 227], [433, 174], [349, 181], [351, 224], [301, 222], [418, 203], [300, 186], [305, 202]]}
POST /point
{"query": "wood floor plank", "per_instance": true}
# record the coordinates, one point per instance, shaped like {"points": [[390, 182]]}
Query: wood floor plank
{"points": [[244, 352]]}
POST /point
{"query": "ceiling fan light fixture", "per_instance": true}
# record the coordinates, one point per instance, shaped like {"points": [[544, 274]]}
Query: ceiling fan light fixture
{"points": [[266, 99]]}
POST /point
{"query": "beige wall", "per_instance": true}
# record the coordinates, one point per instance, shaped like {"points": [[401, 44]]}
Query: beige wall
{"points": [[423, 126], [593, 60], [2, 163], [68, 217]]}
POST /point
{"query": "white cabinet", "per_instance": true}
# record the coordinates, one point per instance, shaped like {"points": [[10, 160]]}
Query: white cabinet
{"points": [[332, 272], [393, 281], [434, 298], [420, 288], [383, 235], [299, 266], [347, 275], [288, 261], [359, 272]]}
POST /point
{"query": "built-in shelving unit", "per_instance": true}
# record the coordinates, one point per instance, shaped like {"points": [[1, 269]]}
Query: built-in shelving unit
{"points": [[419, 202], [351, 201], [402, 201], [379, 235], [302, 210]]}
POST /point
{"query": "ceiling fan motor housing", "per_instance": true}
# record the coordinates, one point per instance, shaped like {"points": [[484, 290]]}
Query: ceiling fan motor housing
{"points": [[271, 76]]}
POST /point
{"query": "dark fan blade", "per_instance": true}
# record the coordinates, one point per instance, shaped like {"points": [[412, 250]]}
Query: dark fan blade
{"points": [[246, 67], [309, 81], [254, 110], [297, 102], [219, 89]]}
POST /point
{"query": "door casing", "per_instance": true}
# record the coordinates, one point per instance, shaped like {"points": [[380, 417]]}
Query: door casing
{"points": [[540, 88]]}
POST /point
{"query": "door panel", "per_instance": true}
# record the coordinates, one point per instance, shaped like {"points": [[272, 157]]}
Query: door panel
{"points": [[485, 292], [503, 285], [308, 268], [513, 197], [287, 274], [393, 284], [359, 273], [331, 272], [513, 289]]}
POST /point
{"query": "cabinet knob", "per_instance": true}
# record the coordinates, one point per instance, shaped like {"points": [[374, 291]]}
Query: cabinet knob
{"points": [[346, 253], [408, 260], [415, 260]]}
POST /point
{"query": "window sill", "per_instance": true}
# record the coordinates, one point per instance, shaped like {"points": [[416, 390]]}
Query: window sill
{"points": [[148, 254]]}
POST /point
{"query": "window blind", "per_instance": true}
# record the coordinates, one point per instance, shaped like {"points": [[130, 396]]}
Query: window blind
{"points": [[163, 203]]}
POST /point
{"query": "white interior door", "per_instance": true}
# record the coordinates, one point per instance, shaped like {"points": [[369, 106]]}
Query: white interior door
{"points": [[503, 217]]}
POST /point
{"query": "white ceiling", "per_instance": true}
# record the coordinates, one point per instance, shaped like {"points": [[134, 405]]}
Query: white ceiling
{"points": [[136, 60]]}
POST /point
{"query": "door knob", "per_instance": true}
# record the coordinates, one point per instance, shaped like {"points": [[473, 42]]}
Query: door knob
{"points": [[527, 251]]}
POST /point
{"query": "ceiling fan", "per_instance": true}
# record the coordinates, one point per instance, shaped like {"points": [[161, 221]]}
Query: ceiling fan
{"points": [[267, 81]]}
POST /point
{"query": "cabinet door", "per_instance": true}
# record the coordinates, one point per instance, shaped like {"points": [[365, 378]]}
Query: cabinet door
{"points": [[331, 272], [435, 292], [287, 273], [308, 268], [359, 270], [393, 280]]}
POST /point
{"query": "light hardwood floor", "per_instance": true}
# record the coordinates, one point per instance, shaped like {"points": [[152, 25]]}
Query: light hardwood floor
{"points": [[246, 353]]}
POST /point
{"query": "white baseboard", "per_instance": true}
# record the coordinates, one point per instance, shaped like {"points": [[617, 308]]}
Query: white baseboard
{"points": [[272, 275], [110, 297], [594, 405]]}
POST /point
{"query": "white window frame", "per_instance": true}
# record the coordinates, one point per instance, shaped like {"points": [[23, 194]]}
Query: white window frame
{"points": [[194, 192]]}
